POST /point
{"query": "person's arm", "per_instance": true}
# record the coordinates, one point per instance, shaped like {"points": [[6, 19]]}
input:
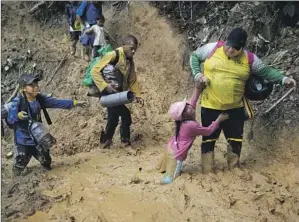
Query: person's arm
{"points": [[96, 70], [266, 72], [51, 102], [132, 81], [197, 129], [195, 96], [199, 56], [89, 30]]}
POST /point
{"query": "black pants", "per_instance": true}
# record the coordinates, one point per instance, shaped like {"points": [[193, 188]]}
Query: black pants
{"points": [[232, 128], [23, 155], [113, 116]]}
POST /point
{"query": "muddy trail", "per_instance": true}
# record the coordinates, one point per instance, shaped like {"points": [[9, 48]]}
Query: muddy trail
{"points": [[88, 183]]}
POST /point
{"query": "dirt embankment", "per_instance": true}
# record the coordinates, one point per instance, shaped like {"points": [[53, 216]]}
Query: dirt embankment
{"points": [[107, 185]]}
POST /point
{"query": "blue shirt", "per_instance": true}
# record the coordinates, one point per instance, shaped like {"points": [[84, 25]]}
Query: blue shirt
{"points": [[22, 136], [89, 12]]}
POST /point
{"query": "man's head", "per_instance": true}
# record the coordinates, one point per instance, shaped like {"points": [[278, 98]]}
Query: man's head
{"points": [[29, 84], [235, 42], [130, 43], [100, 20]]}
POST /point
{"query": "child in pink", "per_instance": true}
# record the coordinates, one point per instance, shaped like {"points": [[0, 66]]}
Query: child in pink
{"points": [[187, 129]]}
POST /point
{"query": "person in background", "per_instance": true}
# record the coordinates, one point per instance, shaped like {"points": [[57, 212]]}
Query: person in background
{"points": [[87, 14], [74, 24], [98, 31]]}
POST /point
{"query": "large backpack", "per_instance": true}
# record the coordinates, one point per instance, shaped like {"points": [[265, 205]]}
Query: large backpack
{"points": [[87, 81], [71, 12], [256, 88]]}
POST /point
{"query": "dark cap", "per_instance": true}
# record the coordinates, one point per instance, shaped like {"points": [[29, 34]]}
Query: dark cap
{"points": [[26, 79], [237, 38]]}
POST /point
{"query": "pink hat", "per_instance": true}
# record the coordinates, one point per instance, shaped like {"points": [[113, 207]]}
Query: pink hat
{"points": [[176, 110]]}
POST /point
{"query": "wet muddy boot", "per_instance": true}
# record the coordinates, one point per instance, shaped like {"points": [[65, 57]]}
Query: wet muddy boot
{"points": [[232, 158], [107, 144], [207, 162]]}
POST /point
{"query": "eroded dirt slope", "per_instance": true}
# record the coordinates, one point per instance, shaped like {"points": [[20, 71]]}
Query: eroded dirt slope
{"points": [[106, 185]]}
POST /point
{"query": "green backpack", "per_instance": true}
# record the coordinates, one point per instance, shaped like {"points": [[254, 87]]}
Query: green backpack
{"points": [[87, 81]]}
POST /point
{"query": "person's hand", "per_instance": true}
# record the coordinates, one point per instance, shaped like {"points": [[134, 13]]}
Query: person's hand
{"points": [[81, 104], [289, 82], [222, 117], [201, 81], [140, 101], [110, 88], [23, 115]]}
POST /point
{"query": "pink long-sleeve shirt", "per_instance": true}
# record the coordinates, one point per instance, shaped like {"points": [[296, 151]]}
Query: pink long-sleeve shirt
{"points": [[188, 132]]}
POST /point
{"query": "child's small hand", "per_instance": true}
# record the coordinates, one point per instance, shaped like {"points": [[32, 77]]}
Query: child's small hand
{"points": [[222, 117]]}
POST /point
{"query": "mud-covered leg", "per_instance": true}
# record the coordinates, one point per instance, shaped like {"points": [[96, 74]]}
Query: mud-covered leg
{"points": [[43, 157], [233, 131], [233, 154], [22, 157]]}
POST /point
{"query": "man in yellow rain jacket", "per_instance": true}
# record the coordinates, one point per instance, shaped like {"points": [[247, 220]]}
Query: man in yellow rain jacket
{"points": [[123, 77], [227, 68]]}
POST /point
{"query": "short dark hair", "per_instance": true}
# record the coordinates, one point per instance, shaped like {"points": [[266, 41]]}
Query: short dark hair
{"points": [[101, 17], [130, 40]]}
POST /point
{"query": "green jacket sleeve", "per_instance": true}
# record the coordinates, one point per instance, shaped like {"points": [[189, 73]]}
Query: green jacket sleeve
{"points": [[266, 72]]}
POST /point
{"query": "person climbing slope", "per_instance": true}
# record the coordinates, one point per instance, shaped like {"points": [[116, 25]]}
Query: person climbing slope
{"points": [[187, 129], [228, 66], [25, 110]]}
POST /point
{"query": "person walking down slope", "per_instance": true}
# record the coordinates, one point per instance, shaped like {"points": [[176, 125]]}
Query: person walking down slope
{"points": [[87, 13], [115, 72], [74, 24], [227, 65], [25, 110], [98, 31]]}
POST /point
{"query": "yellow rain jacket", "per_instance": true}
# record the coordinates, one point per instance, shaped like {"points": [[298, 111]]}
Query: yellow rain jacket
{"points": [[130, 78], [227, 77]]}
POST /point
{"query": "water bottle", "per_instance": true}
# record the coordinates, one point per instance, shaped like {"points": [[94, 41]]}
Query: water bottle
{"points": [[41, 135]]}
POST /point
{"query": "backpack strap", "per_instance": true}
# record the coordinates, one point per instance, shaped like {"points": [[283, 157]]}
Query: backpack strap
{"points": [[218, 45], [116, 58], [40, 99], [250, 57]]}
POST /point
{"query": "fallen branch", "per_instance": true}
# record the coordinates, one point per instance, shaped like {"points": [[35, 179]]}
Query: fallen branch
{"points": [[54, 73], [36, 6], [280, 100]]}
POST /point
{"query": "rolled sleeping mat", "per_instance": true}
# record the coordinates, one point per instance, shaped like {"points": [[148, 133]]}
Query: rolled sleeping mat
{"points": [[117, 99]]}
